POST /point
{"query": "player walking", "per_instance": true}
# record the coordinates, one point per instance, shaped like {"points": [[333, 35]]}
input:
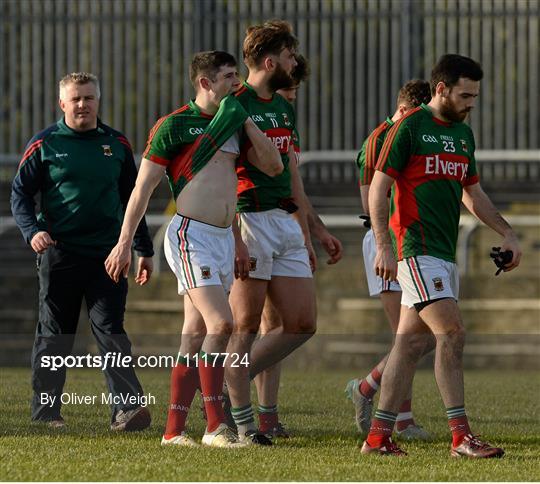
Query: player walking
{"points": [[429, 155], [361, 391], [199, 245]]}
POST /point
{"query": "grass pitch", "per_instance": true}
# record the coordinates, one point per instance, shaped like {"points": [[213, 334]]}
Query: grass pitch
{"points": [[502, 405]]}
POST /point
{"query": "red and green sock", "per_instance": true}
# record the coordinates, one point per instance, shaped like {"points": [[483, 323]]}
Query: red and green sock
{"points": [[458, 423]]}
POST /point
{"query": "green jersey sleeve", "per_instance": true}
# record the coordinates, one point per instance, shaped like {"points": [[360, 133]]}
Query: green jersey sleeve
{"points": [[228, 120], [164, 141], [472, 170], [396, 150], [361, 162]]}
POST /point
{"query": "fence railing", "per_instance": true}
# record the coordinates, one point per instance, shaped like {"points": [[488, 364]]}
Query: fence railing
{"points": [[360, 52]]}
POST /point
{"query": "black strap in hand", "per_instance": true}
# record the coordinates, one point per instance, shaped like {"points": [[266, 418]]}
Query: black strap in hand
{"points": [[366, 219], [501, 259]]}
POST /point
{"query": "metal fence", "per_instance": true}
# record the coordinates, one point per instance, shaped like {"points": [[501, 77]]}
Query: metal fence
{"points": [[360, 51]]}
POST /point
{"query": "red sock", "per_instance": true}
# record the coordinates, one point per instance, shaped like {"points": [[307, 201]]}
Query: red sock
{"points": [[184, 382], [370, 384], [267, 421], [212, 374], [381, 428], [405, 416], [460, 428]]}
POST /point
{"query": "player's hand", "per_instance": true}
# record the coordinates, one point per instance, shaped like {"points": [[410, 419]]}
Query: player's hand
{"points": [[145, 267], [332, 246], [118, 262], [312, 256], [511, 242], [41, 241], [241, 260], [385, 263]]}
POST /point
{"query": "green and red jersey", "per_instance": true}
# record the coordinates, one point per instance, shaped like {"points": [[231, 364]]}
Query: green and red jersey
{"points": [[275, 117], [367, 158], [185, 140], [431, 161]]}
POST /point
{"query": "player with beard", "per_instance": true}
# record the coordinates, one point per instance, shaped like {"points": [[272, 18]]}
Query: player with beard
{"points": [[362, 390], [272, 223], [429, 157], [267, 381]]}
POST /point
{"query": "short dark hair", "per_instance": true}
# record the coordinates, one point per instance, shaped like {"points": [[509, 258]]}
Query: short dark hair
{"points": [[451, 67], [208, 63], [271, 37], [413, 93], [301, 72]]}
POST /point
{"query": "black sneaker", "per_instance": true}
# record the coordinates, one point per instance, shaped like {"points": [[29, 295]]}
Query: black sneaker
{"points": [[254, 437], [132, 420]]}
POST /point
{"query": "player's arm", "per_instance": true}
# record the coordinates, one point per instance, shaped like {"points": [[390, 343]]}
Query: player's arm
{"points": [[330, 244], [385, 261], [478, 203], [262, 154], [241, 254], [364, 195], [363, 176], [119, 259], [299, 197]]}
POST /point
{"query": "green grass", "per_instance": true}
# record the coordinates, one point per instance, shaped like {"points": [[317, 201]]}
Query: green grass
{"points": [[502, 405]]}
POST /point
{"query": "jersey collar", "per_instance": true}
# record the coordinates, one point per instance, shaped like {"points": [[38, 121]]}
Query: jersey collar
{"points": [[197, 110], [389, 121], [426, 108], [254, 94]]}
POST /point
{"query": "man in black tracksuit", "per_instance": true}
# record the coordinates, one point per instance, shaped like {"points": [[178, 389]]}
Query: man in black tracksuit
{"points": [[85, 172]]}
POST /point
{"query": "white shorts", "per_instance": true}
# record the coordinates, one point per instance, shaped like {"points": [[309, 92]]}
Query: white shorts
{"points": [[275, 244], [376, 284], [426, 278], [199, 254]]}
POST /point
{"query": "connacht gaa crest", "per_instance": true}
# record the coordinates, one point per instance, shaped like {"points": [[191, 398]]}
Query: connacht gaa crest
{"points": [[107, 150]]}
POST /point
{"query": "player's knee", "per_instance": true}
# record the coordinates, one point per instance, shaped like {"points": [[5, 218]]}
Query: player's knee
{"points": [[410, 346], [223, 326], [453, 339], [306, 326]]}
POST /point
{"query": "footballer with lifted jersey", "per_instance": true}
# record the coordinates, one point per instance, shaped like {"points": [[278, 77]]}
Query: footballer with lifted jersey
{"points": [[197, 146], [429, 157]]}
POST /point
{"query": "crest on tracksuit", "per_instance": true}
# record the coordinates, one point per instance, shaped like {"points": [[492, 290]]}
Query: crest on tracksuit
{"points": [[107, 150]]}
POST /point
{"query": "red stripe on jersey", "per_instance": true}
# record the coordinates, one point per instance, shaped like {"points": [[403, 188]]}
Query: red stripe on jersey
{"points": [[181, 164], [240, 91], [471, 181], [158, 160], [383, 156], [405, 214], [31, 149], [125, 142], [371, 152], [159, 122]]}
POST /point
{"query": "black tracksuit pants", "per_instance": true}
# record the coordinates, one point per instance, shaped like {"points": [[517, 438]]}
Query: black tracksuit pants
{"points": [[64, 279]]}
